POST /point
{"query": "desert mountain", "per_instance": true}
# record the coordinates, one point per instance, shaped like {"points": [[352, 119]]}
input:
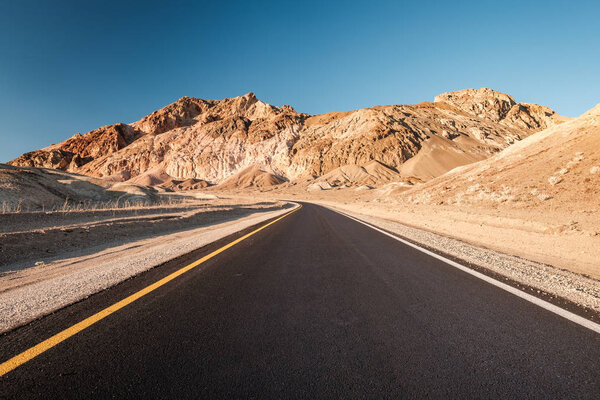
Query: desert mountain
{"points": [[211, 140], [559, 165], [499, 107]]}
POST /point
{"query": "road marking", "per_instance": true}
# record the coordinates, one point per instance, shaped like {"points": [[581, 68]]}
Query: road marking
{"points": [[517, 292], [38, 349]]}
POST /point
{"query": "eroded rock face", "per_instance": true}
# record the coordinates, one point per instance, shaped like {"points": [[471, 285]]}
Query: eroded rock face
{"points": [[215, 139], [239, 133], [560, 163], [392, 135], [175, 115], [532, 117], [500, 107], [81, 149], [484, 103]]}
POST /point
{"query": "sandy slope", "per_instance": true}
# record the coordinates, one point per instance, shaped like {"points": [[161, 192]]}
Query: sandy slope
{"points": [[27, 188], [253, 176], [372, 173], [556, 169]]}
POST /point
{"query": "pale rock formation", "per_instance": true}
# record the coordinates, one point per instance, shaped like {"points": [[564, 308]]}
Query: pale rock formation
{"points": [[484, 103], [557, 164], [211, 140], [81, 149], [393, 135], [500, 107]]}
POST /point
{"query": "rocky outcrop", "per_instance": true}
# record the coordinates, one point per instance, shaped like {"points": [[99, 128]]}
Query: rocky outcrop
{"points": [[175, 115], [559, 165], [393, 135], [79, 150], [212, 140], [532, 117], [211, 150], [483, 103], [502, 108], [56, 159]]}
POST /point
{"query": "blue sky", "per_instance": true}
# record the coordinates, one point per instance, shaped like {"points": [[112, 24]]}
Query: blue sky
{"points": [[69, 67]]}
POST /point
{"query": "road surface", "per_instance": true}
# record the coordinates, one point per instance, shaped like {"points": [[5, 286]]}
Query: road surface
{"points": [[315, 305]]}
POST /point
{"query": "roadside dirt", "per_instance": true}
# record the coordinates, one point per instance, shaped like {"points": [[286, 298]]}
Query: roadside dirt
{"points": [[30, 238], [31, 292]]}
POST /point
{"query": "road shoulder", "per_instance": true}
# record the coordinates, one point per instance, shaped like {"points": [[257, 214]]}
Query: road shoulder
{"points": [[44, 290], [577, 293]]}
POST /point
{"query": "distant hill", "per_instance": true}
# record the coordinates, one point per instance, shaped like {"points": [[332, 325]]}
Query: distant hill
{"points": [[212, 140], [557, 168]]}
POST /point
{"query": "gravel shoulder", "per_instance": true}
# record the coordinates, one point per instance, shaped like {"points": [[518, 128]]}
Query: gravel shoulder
{"points": [[27, 239], [29, 293], [546, 280]]}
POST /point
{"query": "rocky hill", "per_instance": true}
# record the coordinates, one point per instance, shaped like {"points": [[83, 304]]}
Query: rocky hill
{"points": [[558, 168], [212, 140], [502, 108]]}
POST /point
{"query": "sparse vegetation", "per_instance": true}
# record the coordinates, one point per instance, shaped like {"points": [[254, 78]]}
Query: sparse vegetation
{"points": [[88, 205]]}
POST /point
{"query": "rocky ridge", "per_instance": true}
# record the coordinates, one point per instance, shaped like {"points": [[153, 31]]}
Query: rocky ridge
{"points": [[211, 140], [557, 167], [502, 108]]}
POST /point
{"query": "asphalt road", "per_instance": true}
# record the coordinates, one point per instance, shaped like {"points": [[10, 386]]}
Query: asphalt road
{"points": [[314, 306]]}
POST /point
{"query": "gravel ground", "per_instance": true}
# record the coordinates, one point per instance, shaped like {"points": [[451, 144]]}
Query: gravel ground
{"points": [[45, 238], [74, 279], [38, 220], [555, 282]]}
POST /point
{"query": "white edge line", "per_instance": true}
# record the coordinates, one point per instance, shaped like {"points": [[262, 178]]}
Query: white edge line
{"points": [[519, 293]]}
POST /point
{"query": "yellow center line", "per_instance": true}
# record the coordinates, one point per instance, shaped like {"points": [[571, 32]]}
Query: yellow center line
{"points": [[38, 349]]}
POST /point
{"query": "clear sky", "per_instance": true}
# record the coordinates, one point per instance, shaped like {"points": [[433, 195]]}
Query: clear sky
{"points": [[72, 66]]}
